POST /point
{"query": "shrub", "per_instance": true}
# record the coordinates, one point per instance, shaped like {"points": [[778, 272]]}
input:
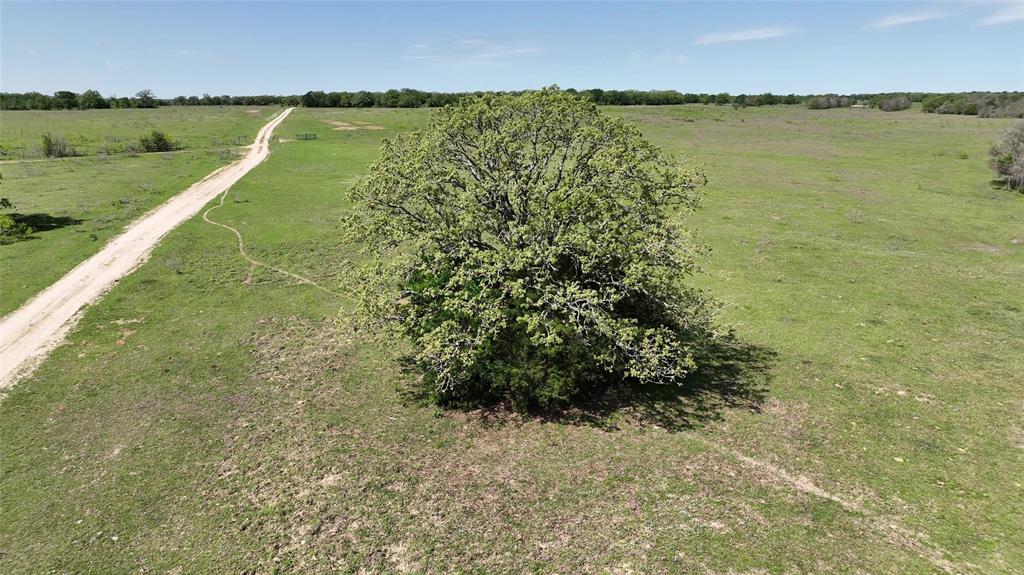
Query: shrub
{"points": [[828, 101], [11, 230], [157, 141], [1008, 158], [932, 103], [894, 104], [57, 147], [529, 247]]}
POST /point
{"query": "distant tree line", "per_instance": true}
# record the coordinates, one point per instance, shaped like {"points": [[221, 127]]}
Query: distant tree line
{"points": [[404, 98], [985, 104], [91, 99], [408, 98]]}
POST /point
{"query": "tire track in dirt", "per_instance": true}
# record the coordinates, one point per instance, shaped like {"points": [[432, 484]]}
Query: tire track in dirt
{"points": [[887, 527], [254, 263]]}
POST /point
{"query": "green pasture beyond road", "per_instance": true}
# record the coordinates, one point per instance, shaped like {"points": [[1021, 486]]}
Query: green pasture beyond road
{"points": [[88, 131], [77, 204], [196, 422]]}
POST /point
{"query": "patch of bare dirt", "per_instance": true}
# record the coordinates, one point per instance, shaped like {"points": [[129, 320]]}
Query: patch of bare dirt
{"points": [[353, 125], [376, 487], [887, 527], [292, 349], [983, 247]]}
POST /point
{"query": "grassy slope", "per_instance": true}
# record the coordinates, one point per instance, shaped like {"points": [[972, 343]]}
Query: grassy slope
{"points": [[193, 127], [214, 425]]}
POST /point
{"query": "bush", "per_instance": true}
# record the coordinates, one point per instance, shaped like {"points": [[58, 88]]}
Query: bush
{"points": [[57, 147], [932, 103], [529, 248], [157, 141], [828, 101], [894, 104], [1008, 158], [11, 230]]}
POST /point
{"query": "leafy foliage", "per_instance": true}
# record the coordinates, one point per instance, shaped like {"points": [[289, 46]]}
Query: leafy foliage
{"points": [[530, 249], [157, 141], [983, 104], [11, 230], [828, 101], [91, 99], [54, 146], [893, 103], [1008, 158], [145, 99]]}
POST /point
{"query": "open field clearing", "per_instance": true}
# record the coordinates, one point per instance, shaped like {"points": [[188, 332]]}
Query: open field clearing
{"points": [[76, 204], [92, 132], [30, 332], [211, 416]]}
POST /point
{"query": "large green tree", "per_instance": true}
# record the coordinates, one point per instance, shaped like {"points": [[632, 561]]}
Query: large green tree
{"points": [[531, 249], [145, 99], [91, 99]]}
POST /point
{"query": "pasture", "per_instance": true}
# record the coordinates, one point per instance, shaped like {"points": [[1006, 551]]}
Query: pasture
{"points": [[92, 132], [209, 417], [77, 204]]}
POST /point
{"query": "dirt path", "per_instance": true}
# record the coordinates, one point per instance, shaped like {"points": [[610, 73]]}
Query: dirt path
{"points": [[28, 334], [254, 263]]}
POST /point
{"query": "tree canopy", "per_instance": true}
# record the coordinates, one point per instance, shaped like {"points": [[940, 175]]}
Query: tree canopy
{"points": [[531, 249]]}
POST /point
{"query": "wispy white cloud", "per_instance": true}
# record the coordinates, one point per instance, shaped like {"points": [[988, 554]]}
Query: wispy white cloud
{"points": [[894, 20], [469, 51], [746, 35], [501, 51], [1014, 13], [419, 51], [658, 58], [184, 52]]}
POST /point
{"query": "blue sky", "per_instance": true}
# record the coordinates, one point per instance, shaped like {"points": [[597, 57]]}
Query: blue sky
{"points": [[239, 48]]}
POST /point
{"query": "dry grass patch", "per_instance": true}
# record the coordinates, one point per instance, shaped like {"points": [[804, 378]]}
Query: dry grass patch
{"points": [[330, 479], [353, 125]]}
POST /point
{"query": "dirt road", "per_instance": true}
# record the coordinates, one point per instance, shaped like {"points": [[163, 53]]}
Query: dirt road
{"points": [[28, 334]]}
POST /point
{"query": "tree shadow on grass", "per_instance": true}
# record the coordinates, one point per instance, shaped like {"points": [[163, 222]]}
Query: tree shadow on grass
{"points": [[46, 222], [28, 225], [1000, 185], [731, 374]]}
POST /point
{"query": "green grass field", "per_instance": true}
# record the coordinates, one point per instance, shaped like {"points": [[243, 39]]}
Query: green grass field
{"points": [[192, 127], [197, 422], [77, 204]]}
